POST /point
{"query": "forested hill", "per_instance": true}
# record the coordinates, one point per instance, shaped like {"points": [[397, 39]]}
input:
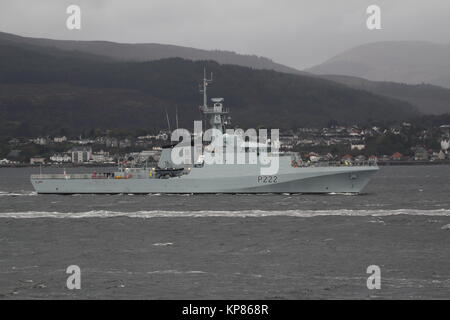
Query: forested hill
{"points": [[45, 91], [140, 52]]}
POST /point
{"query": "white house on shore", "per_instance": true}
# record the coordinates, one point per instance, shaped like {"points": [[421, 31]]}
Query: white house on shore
{"points": [[37, 160], [60, 139], [61, 158], [359, 146], [4, 161], [81, 154], [102, 157]]}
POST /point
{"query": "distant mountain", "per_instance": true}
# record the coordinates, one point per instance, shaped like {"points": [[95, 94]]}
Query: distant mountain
{"points": [[404, 62], [141, 52], [428, 99]]}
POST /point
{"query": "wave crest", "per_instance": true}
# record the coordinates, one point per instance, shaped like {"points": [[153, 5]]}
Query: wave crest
{"points": [[236, 214], [17, 194]]}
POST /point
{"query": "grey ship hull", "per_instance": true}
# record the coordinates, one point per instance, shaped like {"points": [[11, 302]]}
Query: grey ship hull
{"points": [[222, 179]]}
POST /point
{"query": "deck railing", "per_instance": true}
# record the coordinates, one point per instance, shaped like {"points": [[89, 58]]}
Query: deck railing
{"points": [[63, 176]]}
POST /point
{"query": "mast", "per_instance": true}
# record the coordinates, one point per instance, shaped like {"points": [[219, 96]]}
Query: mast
{"points": [[217, 112], [168, 120], [204, 87]]}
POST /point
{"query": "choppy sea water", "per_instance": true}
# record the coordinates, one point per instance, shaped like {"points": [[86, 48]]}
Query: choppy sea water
{"points": [[270, 246]]}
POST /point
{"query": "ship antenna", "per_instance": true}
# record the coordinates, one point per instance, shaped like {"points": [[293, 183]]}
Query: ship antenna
{"points": [[205, 85], [176, 115], [204, 108], [168, 120]]}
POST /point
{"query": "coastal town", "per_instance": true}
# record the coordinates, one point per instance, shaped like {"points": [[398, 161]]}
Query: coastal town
{"points": [[396, 144]]}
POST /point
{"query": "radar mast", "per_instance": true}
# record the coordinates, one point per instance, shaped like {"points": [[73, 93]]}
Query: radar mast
{"points": [[215, 114]]}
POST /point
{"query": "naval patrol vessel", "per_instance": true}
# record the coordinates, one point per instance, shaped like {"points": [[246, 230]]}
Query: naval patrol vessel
{"points": [[292, 176]]}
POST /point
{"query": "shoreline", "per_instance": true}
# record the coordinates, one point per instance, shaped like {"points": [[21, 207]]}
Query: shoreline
{"points": [[413, 163], [103, 165], [69, 165]]}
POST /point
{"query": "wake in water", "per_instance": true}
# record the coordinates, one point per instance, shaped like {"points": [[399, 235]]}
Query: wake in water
{"points": [[234, 214], [17, 194]]}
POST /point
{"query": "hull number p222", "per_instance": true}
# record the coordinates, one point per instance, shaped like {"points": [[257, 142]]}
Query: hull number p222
{"points": [[267, 179]]}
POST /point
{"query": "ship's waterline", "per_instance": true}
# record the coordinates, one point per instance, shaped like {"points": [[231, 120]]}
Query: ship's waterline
{"points": [[234, 179]]}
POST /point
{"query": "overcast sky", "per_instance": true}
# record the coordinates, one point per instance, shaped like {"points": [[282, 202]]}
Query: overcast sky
{"points": [[297, 33]]}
